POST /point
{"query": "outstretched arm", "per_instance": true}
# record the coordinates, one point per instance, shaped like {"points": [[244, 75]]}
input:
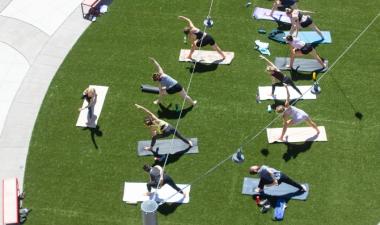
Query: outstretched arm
{"points": [[191, 25], [159, 68], [147, 111], [305, 11], [287, 96], [268, 61]]}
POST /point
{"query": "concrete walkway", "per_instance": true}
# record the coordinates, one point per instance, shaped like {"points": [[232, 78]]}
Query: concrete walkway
{"points": [[31, 52]]}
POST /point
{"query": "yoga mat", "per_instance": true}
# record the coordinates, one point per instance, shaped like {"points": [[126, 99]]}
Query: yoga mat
{"points": [[302, 65], [283, 190], [297, 134], [262, 14], [83, 121], [134, 192], [312, 36], [207, 57], [149, 89], [164, 146], [280, 93]]}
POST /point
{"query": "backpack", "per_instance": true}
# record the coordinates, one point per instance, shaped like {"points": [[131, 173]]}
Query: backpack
{"points": [[277, 35]]}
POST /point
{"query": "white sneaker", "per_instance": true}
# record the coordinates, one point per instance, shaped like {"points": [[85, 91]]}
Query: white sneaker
{"points": [[304, 189]]}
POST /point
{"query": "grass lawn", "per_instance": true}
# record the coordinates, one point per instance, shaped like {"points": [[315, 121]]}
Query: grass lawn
{"points": [[75, 176]]}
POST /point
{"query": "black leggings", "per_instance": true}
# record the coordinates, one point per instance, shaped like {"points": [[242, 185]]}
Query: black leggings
{"points": [[165, 133], [283, 178], [167, 180], [287, 81]]}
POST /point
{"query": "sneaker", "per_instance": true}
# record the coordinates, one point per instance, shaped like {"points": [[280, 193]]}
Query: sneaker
{"points": [[304, 189], [190, 143], [195, 102], [156, 102], [148, 148]]}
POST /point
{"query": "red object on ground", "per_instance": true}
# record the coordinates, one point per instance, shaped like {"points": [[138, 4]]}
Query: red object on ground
{"points": [[257, 200]]}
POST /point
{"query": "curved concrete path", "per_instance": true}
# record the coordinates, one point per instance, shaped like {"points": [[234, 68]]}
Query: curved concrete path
{"points": [[32, 48]]}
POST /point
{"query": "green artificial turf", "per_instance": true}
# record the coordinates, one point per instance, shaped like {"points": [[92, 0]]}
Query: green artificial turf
{"points": [[75, 176]]}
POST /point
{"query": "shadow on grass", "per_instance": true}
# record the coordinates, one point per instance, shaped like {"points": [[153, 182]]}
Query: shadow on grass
{"points": [[166, 112], [202, 68], [295, 149], [94, 132], [295, 75], [168, 208], [264, 152], [171, 157]]}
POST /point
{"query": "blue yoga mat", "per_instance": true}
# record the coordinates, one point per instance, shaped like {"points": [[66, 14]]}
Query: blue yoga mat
{"points": [[312, 36], [283, 190]]}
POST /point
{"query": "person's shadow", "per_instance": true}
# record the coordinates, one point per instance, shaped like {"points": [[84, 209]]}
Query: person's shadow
{"points": [[202, 68], [94, 132], [168, 208], [295, 149], [161, 158], [166, 112]]}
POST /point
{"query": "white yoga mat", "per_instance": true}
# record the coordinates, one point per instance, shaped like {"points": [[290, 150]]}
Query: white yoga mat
{"points": [[47, 15], [83, 121], [262, 14], [297, 134], [135, 192], [208, 57], [280, 93]]}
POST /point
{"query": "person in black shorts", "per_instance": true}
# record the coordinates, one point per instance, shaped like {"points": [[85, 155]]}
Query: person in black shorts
{"points": [[283, 4], [159, 178], [199, 38], [168, 85], [298, 20], [277, 75], [299, 48]]}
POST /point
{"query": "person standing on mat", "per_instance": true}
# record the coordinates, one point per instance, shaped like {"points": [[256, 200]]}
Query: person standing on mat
{"points": [[89, 94], [299, 48], [199, 38], [160, 129], [283, 4], [168, 85], [276, 74], [270, 176], [159, 178], [298, 20], [292, 115]]}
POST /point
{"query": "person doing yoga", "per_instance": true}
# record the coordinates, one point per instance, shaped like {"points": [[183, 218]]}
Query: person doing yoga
{"points": [[292, 115], [299, 48], [168, 85], [283, 4], [89, 94], [278, 78], [199, 38], [159, 129], [300, 20]]}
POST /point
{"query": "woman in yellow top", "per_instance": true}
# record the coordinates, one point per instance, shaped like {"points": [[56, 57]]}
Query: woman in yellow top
{"points": [[160, 129]]}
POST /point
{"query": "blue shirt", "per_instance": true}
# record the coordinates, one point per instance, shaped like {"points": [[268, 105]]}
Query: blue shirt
{"points": [[167, 81]]}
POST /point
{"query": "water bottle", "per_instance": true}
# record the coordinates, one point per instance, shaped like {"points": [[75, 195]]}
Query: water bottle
{"points": [[257, 200], [269, 109]]}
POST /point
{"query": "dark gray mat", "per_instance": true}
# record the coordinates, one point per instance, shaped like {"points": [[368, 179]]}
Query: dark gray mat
{"points": [[301, 65], [149, 89], [283, 190], [164, 146]]}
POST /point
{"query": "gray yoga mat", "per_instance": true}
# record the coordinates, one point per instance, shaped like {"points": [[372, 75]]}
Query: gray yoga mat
{"points": [[283, 190], [302, 65], [165, 147], [149, 89]]}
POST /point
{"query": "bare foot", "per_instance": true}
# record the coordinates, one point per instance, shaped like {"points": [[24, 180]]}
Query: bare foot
{"points": [[148, 148]]}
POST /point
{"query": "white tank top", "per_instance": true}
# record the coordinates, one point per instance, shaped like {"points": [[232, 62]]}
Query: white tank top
{"points": [[296, 43], [295, 112]]}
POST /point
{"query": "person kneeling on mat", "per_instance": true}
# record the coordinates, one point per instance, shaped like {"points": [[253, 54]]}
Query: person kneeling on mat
{"points": [[298, 19], [276, 74], [297, 115], [159, 178], [168, 85], [160, 129], [283, 4], [299, 48], [270, 176], [199, 38]]}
